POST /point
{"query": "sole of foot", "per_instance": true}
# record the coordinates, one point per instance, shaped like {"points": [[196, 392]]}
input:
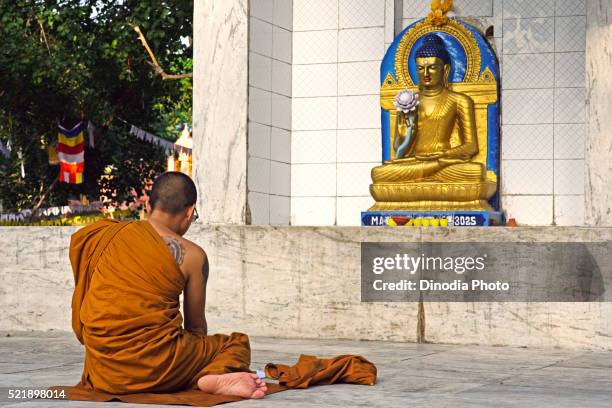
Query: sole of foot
{"points": [[246, 385]]}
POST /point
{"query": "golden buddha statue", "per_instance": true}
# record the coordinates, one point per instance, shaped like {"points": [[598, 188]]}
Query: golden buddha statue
{"points": [[435, 166]]}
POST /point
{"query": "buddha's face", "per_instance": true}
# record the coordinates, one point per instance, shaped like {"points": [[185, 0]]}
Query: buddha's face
{"points": [[432, 72]]}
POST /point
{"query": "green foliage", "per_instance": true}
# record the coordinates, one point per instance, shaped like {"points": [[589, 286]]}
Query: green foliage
{"points": [[63, 60]]}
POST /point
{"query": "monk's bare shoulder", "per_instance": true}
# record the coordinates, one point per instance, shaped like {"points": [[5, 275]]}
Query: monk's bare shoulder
{"points": [[176, 248], [196, 260], [192, 249]]}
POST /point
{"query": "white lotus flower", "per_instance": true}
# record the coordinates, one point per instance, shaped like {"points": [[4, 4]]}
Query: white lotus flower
{"points": [[406, 101]]}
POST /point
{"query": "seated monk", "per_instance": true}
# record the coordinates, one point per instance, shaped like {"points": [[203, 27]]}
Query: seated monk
{"points": [[430, 156], [126, 309]]}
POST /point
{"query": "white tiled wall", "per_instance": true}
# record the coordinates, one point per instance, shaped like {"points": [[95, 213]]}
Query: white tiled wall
{"points": [[314, 130], [338, 46], [269, 130], [543, 110]]}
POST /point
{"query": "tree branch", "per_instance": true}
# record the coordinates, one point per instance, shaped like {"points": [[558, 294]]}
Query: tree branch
{"points": [[42, 198], [44, 36], [154, 63]]}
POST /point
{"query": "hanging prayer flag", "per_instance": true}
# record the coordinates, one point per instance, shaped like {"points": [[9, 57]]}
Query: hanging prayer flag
{"points": [[71, 154], [52, 154], [4, 150], [156, 140], [21, 164]]}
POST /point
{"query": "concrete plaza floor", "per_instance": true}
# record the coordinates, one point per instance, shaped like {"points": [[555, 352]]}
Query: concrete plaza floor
{"points": [[410, 375]]}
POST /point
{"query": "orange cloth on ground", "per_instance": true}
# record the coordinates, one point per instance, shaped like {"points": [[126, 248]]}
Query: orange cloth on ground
{"points": [[126, 311], [308, 371], [311, 370], [194, 398]]}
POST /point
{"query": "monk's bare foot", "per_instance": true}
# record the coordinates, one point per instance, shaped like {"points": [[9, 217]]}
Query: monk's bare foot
{"points": [[246, 385]]}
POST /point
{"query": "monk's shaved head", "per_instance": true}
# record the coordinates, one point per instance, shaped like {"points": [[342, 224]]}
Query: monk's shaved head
{"points": [[173, 192]]}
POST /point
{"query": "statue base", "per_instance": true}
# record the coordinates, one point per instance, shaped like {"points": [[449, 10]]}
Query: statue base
{"points": [[436, 196], [432, 218]]}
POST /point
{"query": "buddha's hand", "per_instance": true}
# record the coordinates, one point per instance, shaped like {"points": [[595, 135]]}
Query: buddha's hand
{"points": [[403, 128], [403, 123], [430, 156]]}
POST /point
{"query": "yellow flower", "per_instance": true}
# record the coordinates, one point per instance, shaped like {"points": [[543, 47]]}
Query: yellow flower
{"points": [[439, 9], [445, 6], [437, 18]]}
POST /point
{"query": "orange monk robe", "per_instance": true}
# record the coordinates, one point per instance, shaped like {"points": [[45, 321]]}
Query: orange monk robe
{"points": [[126, 311]]}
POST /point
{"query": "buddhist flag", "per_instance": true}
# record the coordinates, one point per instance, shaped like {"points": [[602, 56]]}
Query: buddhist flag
{"points": [[71, 154]]}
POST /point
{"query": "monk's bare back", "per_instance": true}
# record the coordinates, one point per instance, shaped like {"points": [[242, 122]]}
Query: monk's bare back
{"points": [[171, 211]]}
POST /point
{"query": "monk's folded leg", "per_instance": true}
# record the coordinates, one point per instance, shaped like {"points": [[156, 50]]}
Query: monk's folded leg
{"points": [[227, 370], [226, 354]]}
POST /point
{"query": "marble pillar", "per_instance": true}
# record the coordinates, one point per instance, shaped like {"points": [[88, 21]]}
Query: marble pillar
{"points": [[598, 183], [220, 105]]}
